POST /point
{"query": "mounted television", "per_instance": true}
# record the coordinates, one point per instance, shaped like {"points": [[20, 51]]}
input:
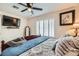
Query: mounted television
{"points": [[10, 21]]}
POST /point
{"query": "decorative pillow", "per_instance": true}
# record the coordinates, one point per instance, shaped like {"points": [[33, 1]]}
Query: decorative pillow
{"points": [[31, 37], [65, 45], [70, 33], [18, 39], [16, 42], [54, 44]]}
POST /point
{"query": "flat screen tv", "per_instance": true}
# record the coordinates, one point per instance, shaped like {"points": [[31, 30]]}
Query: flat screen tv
{"points": [[10, 21]]}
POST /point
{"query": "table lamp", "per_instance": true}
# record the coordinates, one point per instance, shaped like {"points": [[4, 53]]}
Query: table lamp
{"points": [[76, 27]]}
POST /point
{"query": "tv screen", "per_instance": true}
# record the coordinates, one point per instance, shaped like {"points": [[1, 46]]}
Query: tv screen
{"points": [[10, 21]]}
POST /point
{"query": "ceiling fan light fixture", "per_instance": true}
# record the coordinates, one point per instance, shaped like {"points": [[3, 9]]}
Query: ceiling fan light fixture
{"points": [[29, 9], [31, 4]]}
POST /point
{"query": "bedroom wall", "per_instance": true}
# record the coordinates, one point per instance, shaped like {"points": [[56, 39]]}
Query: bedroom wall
{"points": [[61, 30], [10, 34], [32, 22], [58, 30]]}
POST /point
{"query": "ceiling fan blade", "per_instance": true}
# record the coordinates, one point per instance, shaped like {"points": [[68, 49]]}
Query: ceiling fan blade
{"points": [[23, 10], [37, 8], [22, 4], [15, 7]]}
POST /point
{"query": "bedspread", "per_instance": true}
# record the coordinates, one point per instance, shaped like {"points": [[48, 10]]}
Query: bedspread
{"points": [[14, 51], [43, 49]]}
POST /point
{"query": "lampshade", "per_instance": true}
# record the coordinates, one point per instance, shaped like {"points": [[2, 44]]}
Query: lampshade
{"points": [[76, 25]]}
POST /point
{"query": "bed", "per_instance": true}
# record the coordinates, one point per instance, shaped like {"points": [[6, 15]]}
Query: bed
{"points": [[17, 50], [45, 46], [64, 46]]}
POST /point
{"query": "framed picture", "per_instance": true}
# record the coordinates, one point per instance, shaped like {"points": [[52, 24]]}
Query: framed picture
{"points": [[67, 18]]}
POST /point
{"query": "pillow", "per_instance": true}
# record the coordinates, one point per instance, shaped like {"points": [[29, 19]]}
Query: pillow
{"points": [[16, 42], [70, 33], [12, 44], [65, 45], [31, 37], [54, 44], [18, 39]]}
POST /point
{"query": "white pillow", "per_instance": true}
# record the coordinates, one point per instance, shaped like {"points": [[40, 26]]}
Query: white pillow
{"points": [[54, 44], [13, 43], [64, 46], [71, 32]]}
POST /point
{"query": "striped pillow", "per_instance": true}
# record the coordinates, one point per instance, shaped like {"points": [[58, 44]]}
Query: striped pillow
{"points": [[66, 45]]}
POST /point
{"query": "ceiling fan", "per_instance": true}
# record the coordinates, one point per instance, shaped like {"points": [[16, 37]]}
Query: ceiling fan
{"points": [[29, 7]]}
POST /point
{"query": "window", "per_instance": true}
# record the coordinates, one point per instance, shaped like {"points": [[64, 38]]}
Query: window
{"points": [[45, 28]]}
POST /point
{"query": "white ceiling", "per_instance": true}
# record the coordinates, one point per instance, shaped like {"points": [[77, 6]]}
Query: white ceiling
{"points": [[47, 7]]}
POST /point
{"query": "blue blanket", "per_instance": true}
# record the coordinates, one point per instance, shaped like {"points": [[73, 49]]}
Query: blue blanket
{"points": [[15, 51]]}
